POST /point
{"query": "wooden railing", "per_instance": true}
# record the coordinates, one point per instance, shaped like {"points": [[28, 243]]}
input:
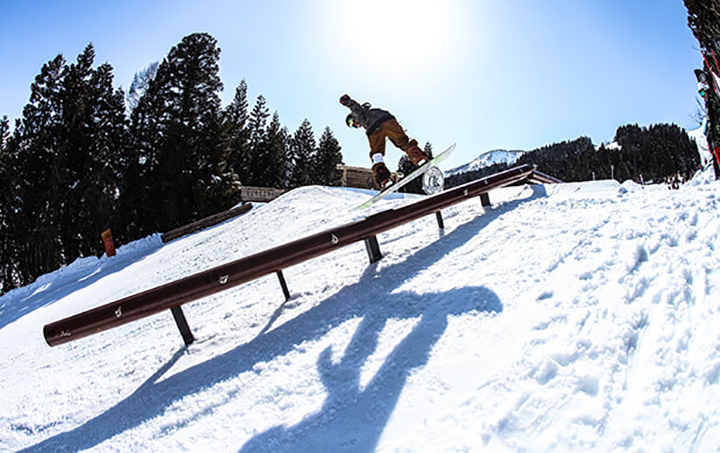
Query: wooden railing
{"points": [[173, 295]]}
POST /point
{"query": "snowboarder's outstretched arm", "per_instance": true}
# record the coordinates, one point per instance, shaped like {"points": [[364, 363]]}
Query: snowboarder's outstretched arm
{"points": [[357, 110]]}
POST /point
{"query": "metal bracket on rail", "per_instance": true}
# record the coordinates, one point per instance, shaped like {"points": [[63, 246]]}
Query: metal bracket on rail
{"points": [[485, 199], [373, 249], [182, 324], [441, 223], [283, 285]]}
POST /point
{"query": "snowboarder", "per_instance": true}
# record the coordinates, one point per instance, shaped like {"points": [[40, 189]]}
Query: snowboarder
{"points": [[381, 124]]}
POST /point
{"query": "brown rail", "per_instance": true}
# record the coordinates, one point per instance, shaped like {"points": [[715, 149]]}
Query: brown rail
{"points": [[193, 287], [542, 178]]}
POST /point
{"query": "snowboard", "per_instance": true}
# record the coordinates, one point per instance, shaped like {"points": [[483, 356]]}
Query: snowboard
{"points": [[411, 177]]}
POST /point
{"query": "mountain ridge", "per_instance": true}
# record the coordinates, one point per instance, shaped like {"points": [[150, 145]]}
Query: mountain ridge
{"points": [[486, 159]]}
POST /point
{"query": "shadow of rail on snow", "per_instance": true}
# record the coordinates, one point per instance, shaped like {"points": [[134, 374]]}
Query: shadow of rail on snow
{"points": [[359, 412]]}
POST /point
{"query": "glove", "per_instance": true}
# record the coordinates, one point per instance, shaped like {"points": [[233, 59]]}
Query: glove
{"points": [[345, 99]]}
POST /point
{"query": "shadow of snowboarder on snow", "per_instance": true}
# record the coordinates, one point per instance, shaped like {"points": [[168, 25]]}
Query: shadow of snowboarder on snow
{"points": [[360, 413], [354, 415]]}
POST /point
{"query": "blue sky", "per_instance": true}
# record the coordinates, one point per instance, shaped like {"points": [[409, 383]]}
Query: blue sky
{"points": [[513, 74]]}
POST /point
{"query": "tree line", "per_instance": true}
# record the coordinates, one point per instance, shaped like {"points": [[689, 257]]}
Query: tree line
{"points": [[85, 157], [643, 154]]}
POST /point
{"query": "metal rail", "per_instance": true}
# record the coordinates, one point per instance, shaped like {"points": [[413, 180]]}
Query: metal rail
{"points": [[542, 178], [176, 293]]}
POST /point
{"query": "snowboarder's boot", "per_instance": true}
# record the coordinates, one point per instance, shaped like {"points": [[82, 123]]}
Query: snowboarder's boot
{"points": [[383, 178], [417, 156]]}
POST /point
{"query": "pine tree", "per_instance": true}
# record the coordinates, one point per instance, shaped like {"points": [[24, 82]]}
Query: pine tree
{"points": [[177, 134], [140, 84], [101, 176], [142, 208], [73, 153], [7, 252], [32, 159], [329, 156], [269, 167], [253, 166], [301, 151], [235, 131]]}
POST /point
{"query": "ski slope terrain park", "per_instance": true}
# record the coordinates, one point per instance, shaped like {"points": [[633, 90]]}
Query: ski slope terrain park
{"points": [[569, 317]]}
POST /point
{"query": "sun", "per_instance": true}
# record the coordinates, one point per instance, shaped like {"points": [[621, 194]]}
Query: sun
{"points": [[397, 37]]}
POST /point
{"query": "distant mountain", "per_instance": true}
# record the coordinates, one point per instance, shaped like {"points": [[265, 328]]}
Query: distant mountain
{"points": [[496, 156]]}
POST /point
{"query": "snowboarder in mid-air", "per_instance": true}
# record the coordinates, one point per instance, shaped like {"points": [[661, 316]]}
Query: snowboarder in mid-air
{"points": [[381, 124]]}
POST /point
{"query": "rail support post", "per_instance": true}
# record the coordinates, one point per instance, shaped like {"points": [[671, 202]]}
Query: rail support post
{"points": [[283, 285], [373, 249], [485, 199], [182, 325], [441, 223]]}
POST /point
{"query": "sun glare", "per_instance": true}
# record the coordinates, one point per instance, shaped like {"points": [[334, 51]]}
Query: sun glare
{"points": [[398, 37]]}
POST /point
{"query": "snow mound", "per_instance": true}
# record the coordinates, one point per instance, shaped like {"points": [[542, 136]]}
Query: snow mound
{"points": [[570, 317], [632, 186]]}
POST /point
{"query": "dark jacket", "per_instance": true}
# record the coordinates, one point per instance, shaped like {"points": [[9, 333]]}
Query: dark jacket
{"points": [[367, 116]]}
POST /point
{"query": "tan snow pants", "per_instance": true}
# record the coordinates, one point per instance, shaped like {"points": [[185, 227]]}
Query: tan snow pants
{"points": [[389, 129]]}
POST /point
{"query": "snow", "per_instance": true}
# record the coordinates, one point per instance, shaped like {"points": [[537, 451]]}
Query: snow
{"points": [[571, 317], [498, 156]]}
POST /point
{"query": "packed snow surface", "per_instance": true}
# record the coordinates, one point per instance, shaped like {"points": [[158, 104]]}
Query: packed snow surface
{"points": [[574, 317]]}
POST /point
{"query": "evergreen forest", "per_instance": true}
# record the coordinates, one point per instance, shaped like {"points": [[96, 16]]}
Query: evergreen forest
{"points": [[85, 156], [655, 154]]}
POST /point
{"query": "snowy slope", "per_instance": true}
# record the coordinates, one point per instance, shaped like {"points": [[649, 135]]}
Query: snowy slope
{"points": [[498, 156], [577, 317]]}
